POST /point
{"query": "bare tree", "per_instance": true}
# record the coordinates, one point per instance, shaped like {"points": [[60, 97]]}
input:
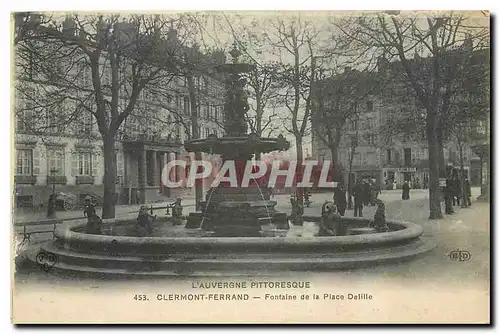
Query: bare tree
{"points": [[103, 64], [336, 102], [294, 42], [399, 37]]}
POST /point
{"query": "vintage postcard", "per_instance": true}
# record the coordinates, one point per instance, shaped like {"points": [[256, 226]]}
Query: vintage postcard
{"points": [[251, 167]]}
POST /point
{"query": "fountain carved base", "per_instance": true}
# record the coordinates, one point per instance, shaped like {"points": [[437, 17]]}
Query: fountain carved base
{"points": [[237, 212]]}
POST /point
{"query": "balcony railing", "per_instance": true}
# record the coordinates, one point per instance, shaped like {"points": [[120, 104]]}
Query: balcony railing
{"points": [[57, 179], [84, 179], [25, 179]]}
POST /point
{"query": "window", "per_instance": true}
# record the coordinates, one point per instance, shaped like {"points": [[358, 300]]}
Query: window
{"points": [[178, 102], [371, 159], [56, 161], [133, 124], [24, 162], [407, 156], [168, 98], [389, 155], [83, 75], [357, 159], [207, 132], [354, 125], [85, 122], [54, 120], [369, 106], [24, 121], [84, 164], [216, 113], [371, 123], [207, 110], [371, 139], [119, 163], [186, 105]]}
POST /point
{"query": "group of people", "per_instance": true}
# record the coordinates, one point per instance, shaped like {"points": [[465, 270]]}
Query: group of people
{"points": [[365, 193], [453, 193]]}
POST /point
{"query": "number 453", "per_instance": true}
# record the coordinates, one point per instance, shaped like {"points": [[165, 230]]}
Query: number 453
{"points": [[141, 297]]}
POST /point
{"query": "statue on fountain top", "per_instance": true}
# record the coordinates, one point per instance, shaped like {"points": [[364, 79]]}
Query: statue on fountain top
{"points": [[236, 107]]}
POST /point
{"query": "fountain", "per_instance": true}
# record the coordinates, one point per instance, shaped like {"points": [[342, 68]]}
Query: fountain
{"points": [[238, 231], [230, 211]]}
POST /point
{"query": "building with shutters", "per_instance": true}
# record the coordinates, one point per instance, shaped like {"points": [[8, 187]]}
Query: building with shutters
{"points": [[390, 157], [69, 152]]}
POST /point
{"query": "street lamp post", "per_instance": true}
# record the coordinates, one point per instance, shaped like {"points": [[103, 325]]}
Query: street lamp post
{"points": [[52, 201], [462, 137]]}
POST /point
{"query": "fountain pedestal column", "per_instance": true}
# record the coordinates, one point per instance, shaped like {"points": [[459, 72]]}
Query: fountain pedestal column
{"points": [[236, 211]]}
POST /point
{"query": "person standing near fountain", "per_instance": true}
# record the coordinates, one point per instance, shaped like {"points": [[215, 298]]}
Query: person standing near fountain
{"points": [[340, 200], [89, 207], [358, 199], [406, 191]]}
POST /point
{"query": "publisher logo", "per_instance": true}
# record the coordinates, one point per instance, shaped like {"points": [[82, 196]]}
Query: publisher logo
{"points": [[460, 255]]}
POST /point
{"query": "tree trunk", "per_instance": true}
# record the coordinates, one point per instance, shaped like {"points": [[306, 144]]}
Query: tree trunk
{"points": [[462, 178], [109, 199], [434, 192], [335, 167], [198, 186], [300, 158], [349, 179], [442, 165]]}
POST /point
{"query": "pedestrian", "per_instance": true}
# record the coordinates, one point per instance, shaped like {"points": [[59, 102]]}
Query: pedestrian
{"points": [[406, 191], [367, 192], [457, 190], [375, 191], [89, 207], [340, 200], [448, 194], [358, 199], [468, 191], [51, 205]]}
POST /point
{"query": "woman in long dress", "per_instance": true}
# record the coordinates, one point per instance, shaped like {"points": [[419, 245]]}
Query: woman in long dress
{"points": [[406, 191]]}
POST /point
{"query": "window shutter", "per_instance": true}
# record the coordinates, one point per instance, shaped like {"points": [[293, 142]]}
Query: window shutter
{"points": [[74, 164], [36, 161], [95, 163]]}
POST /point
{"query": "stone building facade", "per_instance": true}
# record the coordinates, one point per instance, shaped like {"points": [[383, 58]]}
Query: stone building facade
{"points": [[68, 155], [392, 159]]}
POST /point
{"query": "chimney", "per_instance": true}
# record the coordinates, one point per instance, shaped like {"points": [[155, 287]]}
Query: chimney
{"points": [[381, 64], [468, 44]]}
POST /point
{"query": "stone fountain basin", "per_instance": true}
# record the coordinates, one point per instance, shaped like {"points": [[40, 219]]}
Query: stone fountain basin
{"points": [[229, 256], [400, 232]]}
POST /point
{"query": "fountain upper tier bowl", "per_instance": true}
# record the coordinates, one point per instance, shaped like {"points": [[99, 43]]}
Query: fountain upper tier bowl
{"points": [[246, 144]]}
